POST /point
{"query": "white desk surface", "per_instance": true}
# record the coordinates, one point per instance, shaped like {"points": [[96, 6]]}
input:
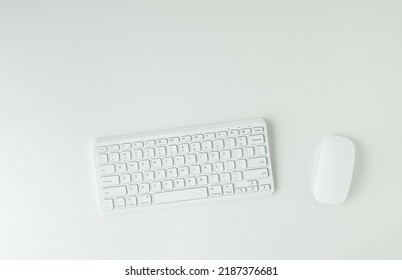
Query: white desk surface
{"points": [[77, 70]]}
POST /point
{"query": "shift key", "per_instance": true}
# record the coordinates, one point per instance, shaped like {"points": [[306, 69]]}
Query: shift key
{"points": [[255, 173], [116, 191]]}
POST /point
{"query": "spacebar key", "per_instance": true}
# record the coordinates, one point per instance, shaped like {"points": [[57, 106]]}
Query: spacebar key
{"points": [[181, 195]]}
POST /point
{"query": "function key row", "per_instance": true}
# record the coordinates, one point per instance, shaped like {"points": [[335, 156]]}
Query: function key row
{"points": [[182, 139], [207, 145]]}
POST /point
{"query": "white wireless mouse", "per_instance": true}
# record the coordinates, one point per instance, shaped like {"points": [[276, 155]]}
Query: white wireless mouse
{"points": [[334, 171]]}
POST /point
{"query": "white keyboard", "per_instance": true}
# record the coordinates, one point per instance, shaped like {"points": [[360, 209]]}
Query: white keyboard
{"points": [[183, 166]]}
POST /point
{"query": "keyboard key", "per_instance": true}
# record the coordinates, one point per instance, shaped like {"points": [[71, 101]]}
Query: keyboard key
{"points": [[241, 190], [195, 169], [131, 201], [167, 185], [132, 189], [120, 203], [256, 139], [202, 180], [191, 159], [138, 145], [179, 183], [172, 150], [179, 160], [218, 144], [114, 148], [237, 176], [233, 133], [225, 177], [125, 179], [160, 174], [149, 143], [207, 145], [125, 146], [202, 157], [102, 158], [184, 148], [149, 152], [121, 167], [245, 131], [228, 189], [241, 141], [218, 166], [190, 182], [145, 164], [186, 138], [214, 179], [110, 181], [260, 151], [225, 154], [184, 171], [213, 156], [252, 183], [255, 173], [195, 147], [107, 204], [133, 166], [162, 141], [149, 175], [257, 162], [265, 187], [248, 152], [107, 169], [126, 155], [209, 136], [160, 151], [101, 149], [137, 154], [221, 134], [230, 165], [144, 188], [172, 173], [215, 190], [144, 200], [230, 143], [114, 157], [156, 163], [241, 164], [167, 161], [258, 129], [116, 191], [180, 195], [174, 140], [137, 177], [198, 137], [237, 153], [206, 168], [252, 189], [156, 186]]}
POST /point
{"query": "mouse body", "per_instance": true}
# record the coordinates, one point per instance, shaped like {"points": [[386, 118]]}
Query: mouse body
{"points": [[335, 170]]}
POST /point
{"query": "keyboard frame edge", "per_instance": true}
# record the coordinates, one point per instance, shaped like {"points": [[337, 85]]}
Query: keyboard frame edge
{"points": [[100, 141]]}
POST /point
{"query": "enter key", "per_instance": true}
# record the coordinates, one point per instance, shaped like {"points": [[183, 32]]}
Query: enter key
{"points": [[257, 162]]}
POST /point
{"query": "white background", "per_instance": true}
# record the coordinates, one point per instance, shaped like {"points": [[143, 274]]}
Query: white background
{"points": [[285, 269], [71, 71]]}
